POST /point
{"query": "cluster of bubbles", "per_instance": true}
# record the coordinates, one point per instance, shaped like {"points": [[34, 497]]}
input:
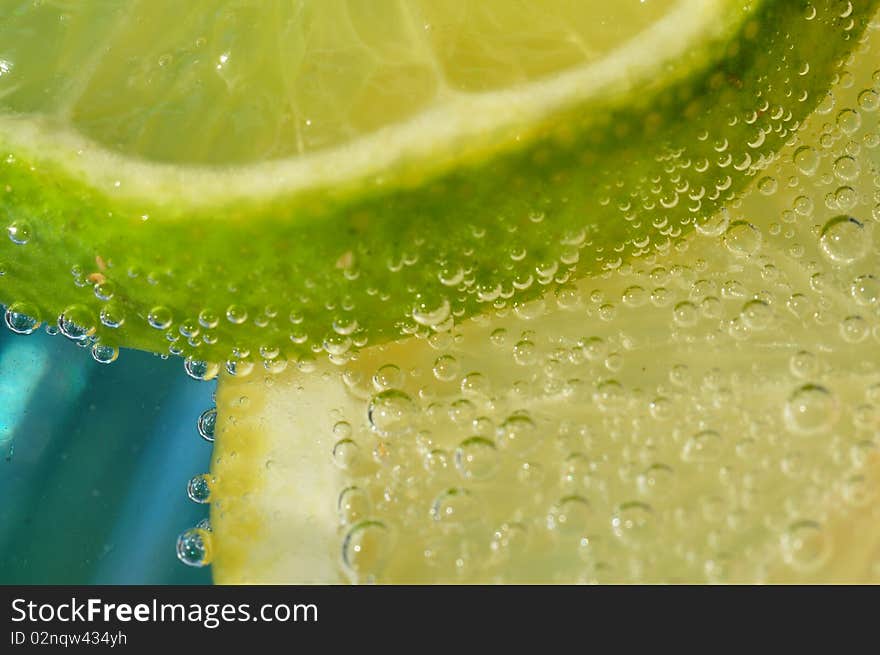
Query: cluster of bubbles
{"points": [[194, 546], [711, 414]]}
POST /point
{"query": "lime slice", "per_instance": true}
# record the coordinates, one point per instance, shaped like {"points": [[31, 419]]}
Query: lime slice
{"points": [[231, 183], [707, 414]]}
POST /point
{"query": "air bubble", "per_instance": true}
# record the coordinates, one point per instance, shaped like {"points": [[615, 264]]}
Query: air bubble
{"points": [[518, 434], [849, 121], [366, 548], [807, 160], [236, 314], [572, 515], [446, 368], [160, 318], [456, 507], [391, 412], [112, 315], [431, 314], [811, 409], [803, 365], [77, 323], [194, 547], [865, 290], [22, 317], [805, 545], [200, 370], [476, 458], [104, 354], [844, 240], [198, 489], [19, 232], [742, 239], [633, 522], [207, 423], [388, 376]]}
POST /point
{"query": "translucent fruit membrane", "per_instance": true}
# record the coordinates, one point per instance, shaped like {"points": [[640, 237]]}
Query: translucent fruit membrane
{"points": [[706, 414]]}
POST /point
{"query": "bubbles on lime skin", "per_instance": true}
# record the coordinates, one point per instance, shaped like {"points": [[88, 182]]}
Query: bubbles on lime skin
{"points": [[160, 317], [22, 317], [194, 547], [19, 232], [77, 323], [200, 370]]}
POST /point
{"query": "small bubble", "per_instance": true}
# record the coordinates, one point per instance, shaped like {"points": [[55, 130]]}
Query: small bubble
{"points": [[366, 548], [236, 314], [388, 376], [656, 481], [475, 384], [806, 159], [160, 317], [849, 121], [869, 100], [456, 507], [854, 329], [742, 239], [572, 514], [104, 354], [803, 364], [19, 232], [498, 337], [346, 454], [206, 424], [767, 186], [77, 323], [844, 240], [194, 547], [633, 522], [713, 225], [757, 314], [518, 434], [22, 317], [865, 290], [199, 488], [112, 315], [685, 314], [846, 168], [446, 368], [524, 352], [811, 409], [208, 319], [431, 314], [200, 370], [391, 412], [342, 429], [353, 505], [805, 546], [476, 458]]}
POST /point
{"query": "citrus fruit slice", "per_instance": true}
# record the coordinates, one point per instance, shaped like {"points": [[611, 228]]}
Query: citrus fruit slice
{"points": [[705, 414], [230, 183]]}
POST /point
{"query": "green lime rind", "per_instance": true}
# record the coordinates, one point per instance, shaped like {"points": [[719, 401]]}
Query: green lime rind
{"points": [[333, 269]]}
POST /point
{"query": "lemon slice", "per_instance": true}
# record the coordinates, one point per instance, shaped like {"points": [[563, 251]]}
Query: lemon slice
{"points": [[229, 182], [717, 437]]}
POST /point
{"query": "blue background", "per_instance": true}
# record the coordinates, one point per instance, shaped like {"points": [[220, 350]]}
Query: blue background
{"points": [[94, 461]]}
